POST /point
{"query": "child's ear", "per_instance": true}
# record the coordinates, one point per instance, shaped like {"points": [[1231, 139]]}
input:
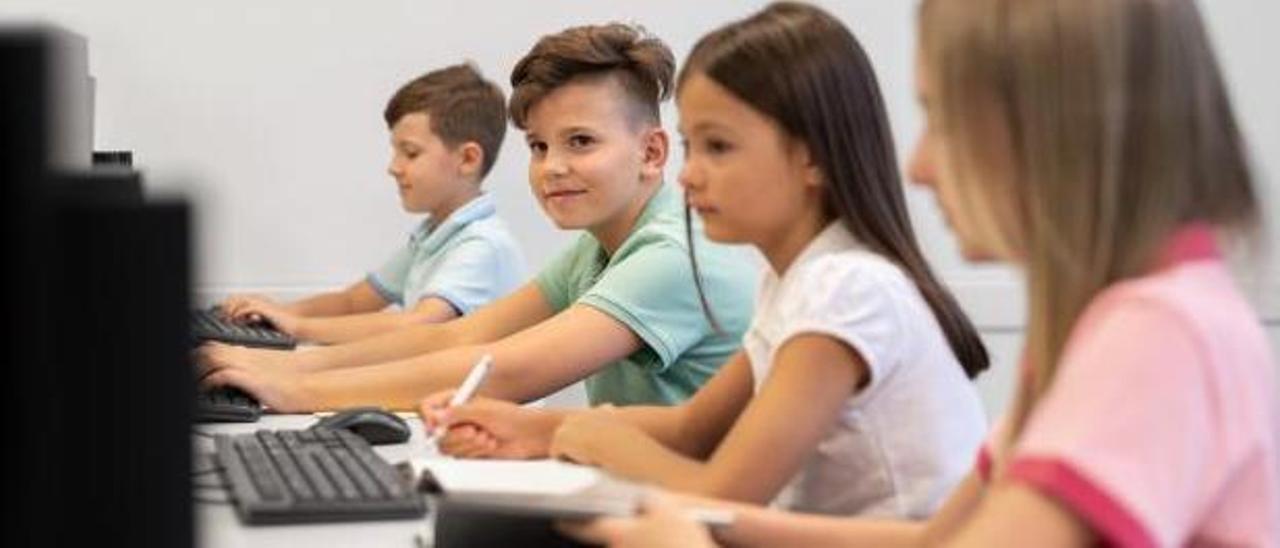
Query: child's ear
{"points": [[656, 145], [811, 173], [471, 156]]}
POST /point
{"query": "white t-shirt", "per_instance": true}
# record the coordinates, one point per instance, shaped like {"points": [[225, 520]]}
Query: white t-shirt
{"points": [[908, 437]]}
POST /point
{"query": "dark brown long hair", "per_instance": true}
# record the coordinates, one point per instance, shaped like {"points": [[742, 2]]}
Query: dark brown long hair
{"points": [[800, 66]]}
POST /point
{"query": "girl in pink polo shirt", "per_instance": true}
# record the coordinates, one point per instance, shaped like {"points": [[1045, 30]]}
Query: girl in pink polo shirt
{"points": [[1091, 143]]}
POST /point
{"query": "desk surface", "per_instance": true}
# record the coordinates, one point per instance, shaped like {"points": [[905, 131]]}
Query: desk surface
{"points": [[217, 524]]}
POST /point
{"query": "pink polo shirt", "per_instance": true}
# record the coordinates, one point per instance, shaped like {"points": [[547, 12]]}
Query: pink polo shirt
{"points": [[1161, 425]]}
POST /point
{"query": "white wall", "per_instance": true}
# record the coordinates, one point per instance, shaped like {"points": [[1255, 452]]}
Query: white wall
{"points": [[269, 115]]}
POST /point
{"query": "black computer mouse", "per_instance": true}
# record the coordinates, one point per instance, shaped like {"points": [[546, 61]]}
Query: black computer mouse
{"points": [[375, 424]]}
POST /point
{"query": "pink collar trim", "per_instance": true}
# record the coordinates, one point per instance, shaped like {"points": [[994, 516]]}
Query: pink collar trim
{"points": [[1193, 242]]}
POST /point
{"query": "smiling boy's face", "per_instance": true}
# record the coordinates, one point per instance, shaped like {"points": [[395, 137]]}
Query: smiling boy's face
{"points": [[587, 153], [427, 172]]}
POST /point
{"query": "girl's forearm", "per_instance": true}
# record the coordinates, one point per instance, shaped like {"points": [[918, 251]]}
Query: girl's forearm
{"points": [[757, 526], [649, 461]]}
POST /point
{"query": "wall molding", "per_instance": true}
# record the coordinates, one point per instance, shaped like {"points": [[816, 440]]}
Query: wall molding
{"points": [[995, 301]]}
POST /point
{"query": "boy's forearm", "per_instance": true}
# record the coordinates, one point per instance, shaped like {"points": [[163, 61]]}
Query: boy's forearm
{"points": [[402, 384], [343, 329], [398, 385], [400, 344], [334, 303]]}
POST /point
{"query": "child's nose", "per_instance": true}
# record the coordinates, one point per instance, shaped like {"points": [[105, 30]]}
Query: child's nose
{"points": [[689, 177], [920, 169], [554, 165]]}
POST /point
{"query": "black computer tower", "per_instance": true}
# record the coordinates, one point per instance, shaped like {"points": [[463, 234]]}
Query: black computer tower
{"points": [[93, 334]]}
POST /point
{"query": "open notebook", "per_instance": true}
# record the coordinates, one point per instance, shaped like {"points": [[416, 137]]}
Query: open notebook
{"points": [[535, 488]]}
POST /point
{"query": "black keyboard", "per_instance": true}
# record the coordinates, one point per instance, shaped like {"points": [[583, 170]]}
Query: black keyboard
{"points": [[297, 476], [226, 405], [209, 325]]}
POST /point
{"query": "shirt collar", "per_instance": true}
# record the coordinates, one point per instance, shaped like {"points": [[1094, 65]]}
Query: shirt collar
{"points": [[1192, 242], [660, 201], [835, 237], [480, 207], [664, 200]]}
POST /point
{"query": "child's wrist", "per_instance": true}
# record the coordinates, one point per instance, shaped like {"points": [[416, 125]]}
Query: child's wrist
{"points": [[303, 327], [547, 422], [306, 360], [310, 392]]}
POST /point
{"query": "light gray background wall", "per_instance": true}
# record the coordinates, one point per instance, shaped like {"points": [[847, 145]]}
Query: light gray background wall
{"points": [[268, 114]]}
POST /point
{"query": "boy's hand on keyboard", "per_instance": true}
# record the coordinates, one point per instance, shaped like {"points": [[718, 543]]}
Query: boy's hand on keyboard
{"points": [[281, 390], [234, 307], [212, 356], [488, 428], [250, 310]]}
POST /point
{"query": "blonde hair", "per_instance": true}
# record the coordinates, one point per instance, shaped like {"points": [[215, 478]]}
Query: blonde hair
{"points": [[1118, 131]]}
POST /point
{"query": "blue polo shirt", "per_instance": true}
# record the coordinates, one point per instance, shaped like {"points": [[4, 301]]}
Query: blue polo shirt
{"points": [[468, 259]]}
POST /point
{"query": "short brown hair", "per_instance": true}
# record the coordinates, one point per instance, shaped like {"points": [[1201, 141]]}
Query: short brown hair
{"points": [[463, 106], [642, 64]]}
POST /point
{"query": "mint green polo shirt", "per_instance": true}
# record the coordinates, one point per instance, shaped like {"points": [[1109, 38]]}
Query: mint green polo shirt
{"points": [[648, 286]]}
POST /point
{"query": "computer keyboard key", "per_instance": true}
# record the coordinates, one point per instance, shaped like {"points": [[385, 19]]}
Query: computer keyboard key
{"points": [[368, 488], [265, 480], [285, 463], [346, 487], [211, 325], [293, 476], [226, 404]]}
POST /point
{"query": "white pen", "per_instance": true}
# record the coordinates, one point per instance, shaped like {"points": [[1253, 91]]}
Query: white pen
{"points": [[468, 388]]}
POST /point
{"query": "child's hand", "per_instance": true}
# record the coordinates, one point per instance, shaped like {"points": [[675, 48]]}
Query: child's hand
{"points": [[488, 428], [282, 392], [253, 310], [212, 356], [235, 305], [597, 437], [662, 522]]}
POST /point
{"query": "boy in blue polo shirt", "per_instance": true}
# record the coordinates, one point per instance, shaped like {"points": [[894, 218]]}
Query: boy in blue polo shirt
{"points": [[446, 129]]}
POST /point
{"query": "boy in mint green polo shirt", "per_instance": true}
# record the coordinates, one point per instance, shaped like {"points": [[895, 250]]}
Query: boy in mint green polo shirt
{"points": [[648, 285], [620, 309]]}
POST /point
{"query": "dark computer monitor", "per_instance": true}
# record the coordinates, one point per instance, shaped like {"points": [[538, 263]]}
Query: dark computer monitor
{"points": [[49, 106], [97, 387], [102, 185]]}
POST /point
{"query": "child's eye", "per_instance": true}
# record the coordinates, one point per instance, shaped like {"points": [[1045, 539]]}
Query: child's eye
{"points": [[580, 141], [717, 146], [537, 147]]}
